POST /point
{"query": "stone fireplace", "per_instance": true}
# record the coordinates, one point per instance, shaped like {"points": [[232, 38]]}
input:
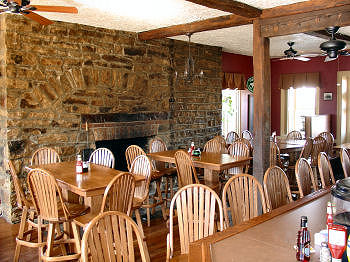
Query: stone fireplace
{"points": [[54, 79]]}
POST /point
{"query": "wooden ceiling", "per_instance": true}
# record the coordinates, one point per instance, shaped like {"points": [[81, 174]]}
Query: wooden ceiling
{"points": [[243, 14]]}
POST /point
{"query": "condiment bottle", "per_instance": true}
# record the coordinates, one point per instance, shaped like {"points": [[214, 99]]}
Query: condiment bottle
{"points": [[329, 214], [303, 241], [337, 241], [192, 147], [79, 165]]}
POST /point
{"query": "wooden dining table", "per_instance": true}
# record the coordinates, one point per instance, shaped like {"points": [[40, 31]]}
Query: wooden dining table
{"points": [[90, 185], [269, 237], [208, 161]]}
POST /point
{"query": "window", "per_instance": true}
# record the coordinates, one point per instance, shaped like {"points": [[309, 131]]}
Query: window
{"points": [[230, 111], [295, 104]]}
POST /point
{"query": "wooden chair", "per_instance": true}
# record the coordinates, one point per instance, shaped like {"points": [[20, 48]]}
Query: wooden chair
{"points": [[329, 142], [247, 135], [345, 161], [45, 155], [131, 153], [215, 146], [305, 178], [110, 236], [240, 199], [169, 173], [221, 140], [275, 158], [102, 156], [294, 135], [325, 169], [48, 202], [142, 166], [118, 196], [27, 224], [276, 186], [239, 149], [307, 149], [247, 143], [196, 207], [186, 172], [318, 146], [231, 137]]}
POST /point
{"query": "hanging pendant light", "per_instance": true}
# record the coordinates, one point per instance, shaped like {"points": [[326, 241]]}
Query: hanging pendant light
{"points": [[189, 72]]}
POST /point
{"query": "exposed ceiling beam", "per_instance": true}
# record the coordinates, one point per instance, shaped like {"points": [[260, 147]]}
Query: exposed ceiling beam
{"points": [[306, 22], [230, 6], [198, 26], [324, 35], [235, 20]]}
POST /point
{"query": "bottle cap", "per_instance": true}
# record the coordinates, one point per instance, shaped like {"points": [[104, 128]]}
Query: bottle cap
{"points": [[303, 221], [324, 244]]}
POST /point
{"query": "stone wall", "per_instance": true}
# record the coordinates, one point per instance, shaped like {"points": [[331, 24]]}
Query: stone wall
{"points": [[54, 75]]}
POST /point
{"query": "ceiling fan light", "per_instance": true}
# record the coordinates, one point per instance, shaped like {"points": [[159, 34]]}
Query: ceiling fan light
{"points": [[332, 53]]}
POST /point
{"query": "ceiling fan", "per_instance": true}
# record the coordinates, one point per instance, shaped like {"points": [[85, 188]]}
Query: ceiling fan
{"points": [[291, 53], [333, 47], [23, 7]]}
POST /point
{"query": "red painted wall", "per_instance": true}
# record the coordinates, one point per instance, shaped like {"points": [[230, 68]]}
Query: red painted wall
{"points": [[328, 80]]}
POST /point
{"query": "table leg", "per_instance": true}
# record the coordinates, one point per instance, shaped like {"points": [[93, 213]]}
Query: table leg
{"points": [[211, 175], [94, 202], [70, 197]]}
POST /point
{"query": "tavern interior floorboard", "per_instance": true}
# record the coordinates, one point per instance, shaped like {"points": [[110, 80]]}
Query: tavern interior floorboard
{"points": [[156, 241]]}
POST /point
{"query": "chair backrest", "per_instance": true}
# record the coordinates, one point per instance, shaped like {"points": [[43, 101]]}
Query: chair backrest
{"points": [[196, 207], [157, 145], [307, 149], [231, 136], [325, 169], [240, 199], [329, 142], [142, 166], [318, 146], [239, 149], [119, 194], [215, 146], [46, 195], [275, 158], [20, 196], [305, 177], [185, 170], [247, 142], [247, 135], [45, 155], [221, 140], [294, 135], [276, 186], [131, 153], [102, 156], [345, 161], [110, 237]]}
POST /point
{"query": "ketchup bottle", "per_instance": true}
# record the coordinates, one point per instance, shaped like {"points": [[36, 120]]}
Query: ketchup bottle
{"points": [[79, 165], [329, 214], [337, 241]]}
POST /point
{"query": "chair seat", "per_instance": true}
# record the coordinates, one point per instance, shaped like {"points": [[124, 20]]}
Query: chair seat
{"points": [[83, 220], [75, 210], [156, 174]]}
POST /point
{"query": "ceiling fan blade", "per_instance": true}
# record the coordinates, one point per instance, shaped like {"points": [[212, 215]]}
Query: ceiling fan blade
{"points": [[59, 9], [328, 59], [302, 58], [38, 18]]}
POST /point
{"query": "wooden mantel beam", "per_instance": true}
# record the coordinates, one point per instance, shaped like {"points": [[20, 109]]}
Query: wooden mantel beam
{"points": [[198, 26], [234, 7], [235, 20]]}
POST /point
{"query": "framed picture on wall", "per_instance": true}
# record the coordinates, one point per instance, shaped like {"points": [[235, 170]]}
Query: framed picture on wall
{"points": [[327, 96]]}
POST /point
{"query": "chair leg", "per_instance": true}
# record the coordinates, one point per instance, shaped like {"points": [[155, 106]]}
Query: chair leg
{"points": [[76, 237], [40, 237], [139, 222], [30, 227], [50, 238], [21, 232], [148, 212]]}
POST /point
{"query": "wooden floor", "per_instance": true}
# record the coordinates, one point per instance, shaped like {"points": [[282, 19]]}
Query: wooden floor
{"points": [[155, 238]]}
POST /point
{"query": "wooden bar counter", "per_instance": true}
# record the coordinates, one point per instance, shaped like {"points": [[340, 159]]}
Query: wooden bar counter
{"points": [[269, 237]]}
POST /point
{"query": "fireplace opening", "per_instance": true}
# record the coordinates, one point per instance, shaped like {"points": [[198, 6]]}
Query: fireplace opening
{"points": [[118, 147]]}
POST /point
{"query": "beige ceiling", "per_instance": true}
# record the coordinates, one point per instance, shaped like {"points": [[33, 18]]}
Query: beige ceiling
{"points": [[142, 15]]}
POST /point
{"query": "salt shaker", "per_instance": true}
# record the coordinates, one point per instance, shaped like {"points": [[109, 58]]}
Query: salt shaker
{"points": [[325, 253]]}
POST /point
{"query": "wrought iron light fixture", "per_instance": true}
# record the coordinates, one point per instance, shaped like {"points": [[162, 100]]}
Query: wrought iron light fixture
{"points": [[189, 73]]}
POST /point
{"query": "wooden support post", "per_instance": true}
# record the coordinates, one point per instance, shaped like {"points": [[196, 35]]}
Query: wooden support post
{"points": [[262, 101]]}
